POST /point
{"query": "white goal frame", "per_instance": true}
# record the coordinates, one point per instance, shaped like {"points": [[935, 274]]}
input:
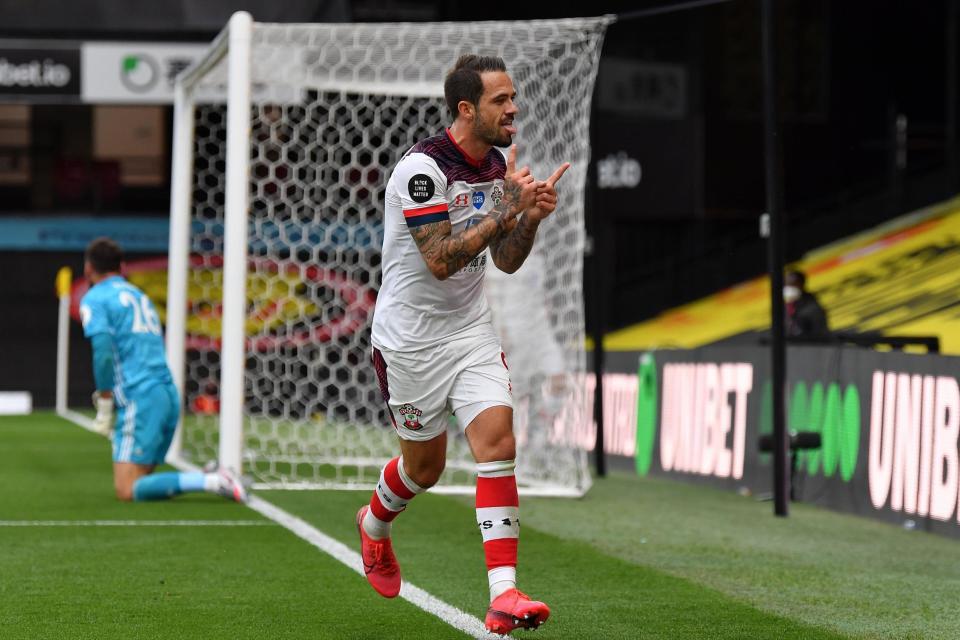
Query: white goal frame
{"points": [[234, 42]]}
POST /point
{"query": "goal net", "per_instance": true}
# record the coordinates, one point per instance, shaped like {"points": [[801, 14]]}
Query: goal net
{"points": [[285, 135]]}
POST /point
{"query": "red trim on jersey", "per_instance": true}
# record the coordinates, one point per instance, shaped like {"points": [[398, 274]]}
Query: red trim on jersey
{"points": [[434, 208], [466, 156]]}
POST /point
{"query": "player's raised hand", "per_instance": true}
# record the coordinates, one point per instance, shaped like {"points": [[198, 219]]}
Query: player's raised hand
{"points": [[562, 169], [519, 187], [512, 160], [546, 198]]}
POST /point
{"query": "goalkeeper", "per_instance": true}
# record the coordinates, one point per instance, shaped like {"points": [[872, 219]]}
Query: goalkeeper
{"points": [[435, 351], [131, 374]]}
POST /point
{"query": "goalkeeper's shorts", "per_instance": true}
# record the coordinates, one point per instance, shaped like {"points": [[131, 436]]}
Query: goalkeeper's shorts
{"points": [[145, 424], [462, 376]]}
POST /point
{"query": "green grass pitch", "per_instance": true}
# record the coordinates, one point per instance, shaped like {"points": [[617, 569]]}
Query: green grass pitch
{"points": [[636, 558]]}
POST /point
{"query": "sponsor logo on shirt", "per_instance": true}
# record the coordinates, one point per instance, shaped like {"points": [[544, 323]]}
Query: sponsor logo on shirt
{"points": [[462, 200], [477, 265], [478, 199]]}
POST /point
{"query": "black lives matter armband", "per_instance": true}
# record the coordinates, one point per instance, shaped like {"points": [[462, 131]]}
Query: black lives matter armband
{"points": [[422, 189]]}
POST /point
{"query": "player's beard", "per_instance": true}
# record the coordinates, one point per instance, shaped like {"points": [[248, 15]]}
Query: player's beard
{"points": [[492, 133]]}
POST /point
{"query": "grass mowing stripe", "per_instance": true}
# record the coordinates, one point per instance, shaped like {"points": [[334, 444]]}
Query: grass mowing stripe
{"points": [[135, 523], [418, 597]]}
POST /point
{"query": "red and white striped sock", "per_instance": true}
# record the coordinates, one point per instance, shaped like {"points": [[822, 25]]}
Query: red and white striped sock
{"points": [[498, 517], [394, 490]]}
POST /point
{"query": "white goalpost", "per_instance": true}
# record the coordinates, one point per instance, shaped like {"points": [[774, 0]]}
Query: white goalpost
{"points": [[284, 136]]}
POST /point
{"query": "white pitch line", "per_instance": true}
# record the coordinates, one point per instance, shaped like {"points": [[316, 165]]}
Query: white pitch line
{"points": [[135, 523], [78, 419], [453, 616], [456, 618]]}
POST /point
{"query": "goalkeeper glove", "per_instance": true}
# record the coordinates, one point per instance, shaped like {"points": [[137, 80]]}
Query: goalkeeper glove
{"points": [[103, 423]]}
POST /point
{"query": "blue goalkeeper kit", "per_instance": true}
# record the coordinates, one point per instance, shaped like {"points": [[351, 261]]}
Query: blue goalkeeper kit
{"points": [[129, 358]]}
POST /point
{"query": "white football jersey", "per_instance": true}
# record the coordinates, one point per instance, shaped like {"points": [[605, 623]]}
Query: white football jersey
{"points": [[435, 180]]}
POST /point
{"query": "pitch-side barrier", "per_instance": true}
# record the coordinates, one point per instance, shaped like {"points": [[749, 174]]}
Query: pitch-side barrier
{"points": [[888, 424]]}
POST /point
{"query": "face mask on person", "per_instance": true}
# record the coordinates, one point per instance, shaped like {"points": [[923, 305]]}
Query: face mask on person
{"points": [[790, 294]]}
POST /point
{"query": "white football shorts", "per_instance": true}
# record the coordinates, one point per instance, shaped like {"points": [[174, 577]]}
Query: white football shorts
{"points": [[462, 376]]}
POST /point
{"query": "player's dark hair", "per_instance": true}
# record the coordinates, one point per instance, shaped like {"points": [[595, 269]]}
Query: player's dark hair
{"points": [[104, 255], [463, 81]]}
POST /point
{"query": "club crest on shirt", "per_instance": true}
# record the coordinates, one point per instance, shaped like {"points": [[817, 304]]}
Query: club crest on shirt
{"points": [[478, 199], [411, 416], [496, 195]]}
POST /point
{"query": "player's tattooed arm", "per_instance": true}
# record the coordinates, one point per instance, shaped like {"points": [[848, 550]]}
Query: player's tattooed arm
{"points": [[446, 253], [511, 249]]}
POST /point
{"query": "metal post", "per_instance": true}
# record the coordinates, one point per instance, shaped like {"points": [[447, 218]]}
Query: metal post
{"points": [[233, 359], [64, 280], [598, 250], [775, 247], [179, 249], [950, 128]]}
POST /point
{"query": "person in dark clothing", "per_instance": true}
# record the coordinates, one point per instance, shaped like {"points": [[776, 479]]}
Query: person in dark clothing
{"points": [[805, 316]]}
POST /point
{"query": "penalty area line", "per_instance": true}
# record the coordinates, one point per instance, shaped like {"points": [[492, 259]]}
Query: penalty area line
{"points": [[456, 618]]}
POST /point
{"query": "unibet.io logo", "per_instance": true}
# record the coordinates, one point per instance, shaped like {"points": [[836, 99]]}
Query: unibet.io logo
{"points": [[36, 73]]}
